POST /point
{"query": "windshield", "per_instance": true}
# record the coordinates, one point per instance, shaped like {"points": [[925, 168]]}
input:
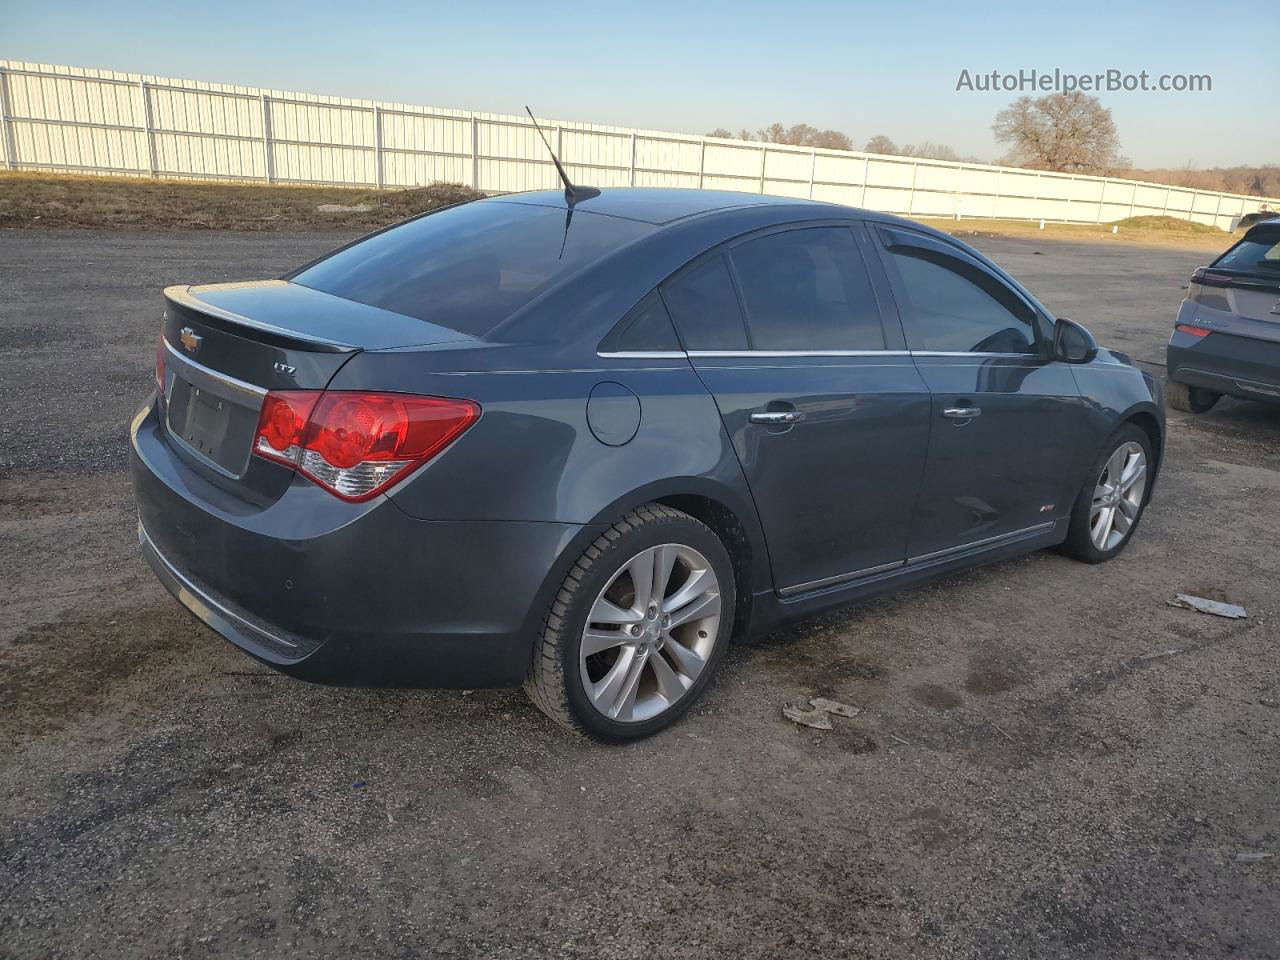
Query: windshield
{"points": [[469, 267]]}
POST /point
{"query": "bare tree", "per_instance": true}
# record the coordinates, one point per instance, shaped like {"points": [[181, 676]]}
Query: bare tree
{"points": [[721, 132], [928, 150], [1060, 131], [831, 140], [804, 135], [773, 133], [745, 134], [881, 144]]}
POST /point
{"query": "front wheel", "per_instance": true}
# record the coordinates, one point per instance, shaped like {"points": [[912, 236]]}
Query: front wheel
{"points": [[636, 629], [1108, 508]]}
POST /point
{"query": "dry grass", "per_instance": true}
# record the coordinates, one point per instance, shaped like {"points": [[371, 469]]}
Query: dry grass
{"points": [[40, 200], [1144, 231], [30, 200]]}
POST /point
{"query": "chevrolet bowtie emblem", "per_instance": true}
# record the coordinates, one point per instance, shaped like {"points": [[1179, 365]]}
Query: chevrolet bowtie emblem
{"points": [[190, 339]]}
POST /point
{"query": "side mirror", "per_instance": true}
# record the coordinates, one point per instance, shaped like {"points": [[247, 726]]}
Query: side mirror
{"points": [[1072, 343]]}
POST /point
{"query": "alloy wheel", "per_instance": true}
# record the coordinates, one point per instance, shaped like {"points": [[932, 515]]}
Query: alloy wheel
{"points": [[1117, 498], [650, 633]]}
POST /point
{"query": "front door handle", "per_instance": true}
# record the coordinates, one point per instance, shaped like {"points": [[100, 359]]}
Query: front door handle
{"points": [[777, 416], [961, 413]]}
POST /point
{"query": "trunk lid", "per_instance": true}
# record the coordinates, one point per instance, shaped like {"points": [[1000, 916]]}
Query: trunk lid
{"points": [[226, 345]]}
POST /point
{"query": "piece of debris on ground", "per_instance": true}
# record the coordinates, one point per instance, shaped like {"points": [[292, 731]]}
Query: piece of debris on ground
{"points": [[1232, 610], [820, 716]]}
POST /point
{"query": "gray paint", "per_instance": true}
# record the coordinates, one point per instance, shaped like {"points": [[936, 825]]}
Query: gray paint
{"points": [[870, 491]]}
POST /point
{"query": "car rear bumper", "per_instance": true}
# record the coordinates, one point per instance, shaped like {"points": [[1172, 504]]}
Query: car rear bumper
{"points": [[350, 594], [1237, 366]]}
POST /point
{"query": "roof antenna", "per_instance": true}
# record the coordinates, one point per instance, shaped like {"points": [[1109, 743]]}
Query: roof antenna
{"points": [[572, 194]]}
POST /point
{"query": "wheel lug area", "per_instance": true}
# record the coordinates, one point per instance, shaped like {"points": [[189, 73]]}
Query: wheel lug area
{"points": [[635, 630]]}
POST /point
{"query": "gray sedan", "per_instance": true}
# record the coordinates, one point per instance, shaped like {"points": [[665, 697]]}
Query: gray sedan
{"points": [[580, 442]]}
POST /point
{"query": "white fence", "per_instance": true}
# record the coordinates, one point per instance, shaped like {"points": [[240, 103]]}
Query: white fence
{"points": [[99, 121]]}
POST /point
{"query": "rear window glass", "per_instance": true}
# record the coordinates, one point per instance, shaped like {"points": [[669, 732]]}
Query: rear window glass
{"points": [[1256, 253], [469, 267]]}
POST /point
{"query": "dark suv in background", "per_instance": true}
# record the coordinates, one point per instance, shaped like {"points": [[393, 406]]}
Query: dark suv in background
{"points": [[1226, 338], [578, 445]]}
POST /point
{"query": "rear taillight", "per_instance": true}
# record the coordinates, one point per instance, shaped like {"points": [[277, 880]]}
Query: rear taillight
{"points": [[356, 445], [1194, 331], [1208, 278], [160, 365]]}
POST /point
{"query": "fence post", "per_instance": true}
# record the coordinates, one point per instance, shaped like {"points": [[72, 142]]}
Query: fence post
{"points": [[764, 162], [1133, 199], [911, 197], [1165, 211], [702, 163], [560, 145], [633, 159], [6, 121], [268, 161], [813, 169], [866, 175], [475, 153], [995, 198], [1217, 211], [377, 146], [147, 127], [1191, 214], [1102, 197]]}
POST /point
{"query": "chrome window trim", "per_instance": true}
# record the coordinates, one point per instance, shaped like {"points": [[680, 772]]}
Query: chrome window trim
{"points": [[642, 354], [972, 353], [213, 379], [799, 353], [182, 295]]}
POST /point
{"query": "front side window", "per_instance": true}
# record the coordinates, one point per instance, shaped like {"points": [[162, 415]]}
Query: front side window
{"points": [[807, 290], [704, 306], [957, 307]]}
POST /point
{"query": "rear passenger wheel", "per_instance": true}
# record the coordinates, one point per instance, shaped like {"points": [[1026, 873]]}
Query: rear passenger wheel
{"points": [[1107, 510], [1190, 399], [637, 627]]}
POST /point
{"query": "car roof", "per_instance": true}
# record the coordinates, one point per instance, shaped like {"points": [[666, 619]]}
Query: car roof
{"points": [[655, 205]]}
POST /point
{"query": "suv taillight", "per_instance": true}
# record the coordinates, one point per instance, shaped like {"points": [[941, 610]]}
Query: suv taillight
{"points": [[1208, 278], [356, 445]]}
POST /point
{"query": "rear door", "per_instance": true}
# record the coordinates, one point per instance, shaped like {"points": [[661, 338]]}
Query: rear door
{"points": [[1006, 424], [826, 411]]}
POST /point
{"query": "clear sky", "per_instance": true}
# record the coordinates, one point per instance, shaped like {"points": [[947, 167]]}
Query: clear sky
{"points": [[864, 68]]}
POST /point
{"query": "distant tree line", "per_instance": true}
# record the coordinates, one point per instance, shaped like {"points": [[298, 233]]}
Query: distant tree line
{"points": [[1064, 132]]}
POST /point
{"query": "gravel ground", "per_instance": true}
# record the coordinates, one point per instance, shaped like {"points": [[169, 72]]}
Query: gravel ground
{"points": [[1050, 761]]}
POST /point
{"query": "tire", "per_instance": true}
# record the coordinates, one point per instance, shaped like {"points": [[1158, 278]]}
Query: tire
{"points": [[1089, 537], [1190, 399], [663, 668]]}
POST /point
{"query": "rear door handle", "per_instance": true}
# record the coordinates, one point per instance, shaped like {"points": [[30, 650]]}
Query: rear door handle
{"points": [[777, 416], [961, 413]]}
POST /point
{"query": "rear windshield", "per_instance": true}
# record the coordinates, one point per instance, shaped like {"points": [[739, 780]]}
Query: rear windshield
{"points": [[469, 267], [1259, 252]]}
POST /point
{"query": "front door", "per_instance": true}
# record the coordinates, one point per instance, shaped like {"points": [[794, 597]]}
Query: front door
{"points": [[827, 412], [1006, 421]]}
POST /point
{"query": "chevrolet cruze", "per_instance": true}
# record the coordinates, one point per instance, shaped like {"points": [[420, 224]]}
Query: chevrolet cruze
{"points": [[579, 446]]}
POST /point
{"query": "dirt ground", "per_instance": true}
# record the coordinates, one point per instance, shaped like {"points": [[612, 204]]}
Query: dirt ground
{"points": [[1051, 761]]}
